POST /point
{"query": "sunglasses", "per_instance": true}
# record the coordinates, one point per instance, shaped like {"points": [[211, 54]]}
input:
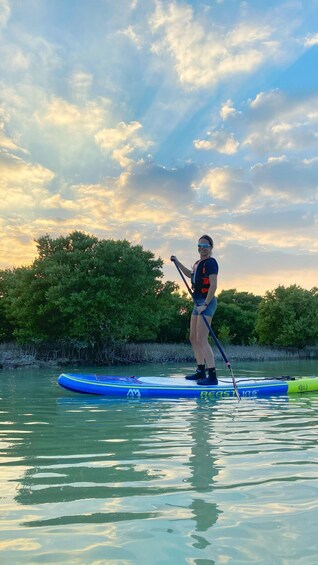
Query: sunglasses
{"points": [[203, 245]]}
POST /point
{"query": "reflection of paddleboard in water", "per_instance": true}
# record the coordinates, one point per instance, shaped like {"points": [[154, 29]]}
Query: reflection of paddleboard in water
{"points": [[178, 387]]}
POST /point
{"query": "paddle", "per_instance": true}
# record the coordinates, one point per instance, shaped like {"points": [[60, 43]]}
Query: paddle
{"points": [[212, 334]]}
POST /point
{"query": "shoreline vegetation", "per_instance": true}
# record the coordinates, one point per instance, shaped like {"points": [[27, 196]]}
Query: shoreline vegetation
{"points": [[68, 308], [14, 356]]}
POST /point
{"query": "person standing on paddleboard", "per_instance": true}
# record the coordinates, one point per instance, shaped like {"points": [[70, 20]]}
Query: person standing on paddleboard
{"points": [[203, 276]]}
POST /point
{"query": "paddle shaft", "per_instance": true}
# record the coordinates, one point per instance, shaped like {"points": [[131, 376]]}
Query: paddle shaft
{"points": [[217, 343]]}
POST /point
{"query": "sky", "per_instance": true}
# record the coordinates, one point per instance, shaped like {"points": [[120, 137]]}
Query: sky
{"points": [[159, 121]]}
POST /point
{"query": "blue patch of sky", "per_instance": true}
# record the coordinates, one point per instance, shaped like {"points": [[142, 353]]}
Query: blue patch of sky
{"points": [[302, 76]]}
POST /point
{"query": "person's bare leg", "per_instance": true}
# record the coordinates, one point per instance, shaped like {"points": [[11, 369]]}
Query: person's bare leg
{"points": [[197, 350], [202, 338], [196, 345]]}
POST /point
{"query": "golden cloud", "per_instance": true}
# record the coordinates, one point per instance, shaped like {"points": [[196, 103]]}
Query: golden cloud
{"points": [[60, 113], [121, 141]]}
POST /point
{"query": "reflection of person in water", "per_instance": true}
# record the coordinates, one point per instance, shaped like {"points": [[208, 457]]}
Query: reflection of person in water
{"points": [[202, 465]]}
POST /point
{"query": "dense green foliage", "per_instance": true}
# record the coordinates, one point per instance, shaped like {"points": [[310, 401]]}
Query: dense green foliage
{"points": [[288, 317], [85, 289], [96, 291], [6, 328], [236, 316]]}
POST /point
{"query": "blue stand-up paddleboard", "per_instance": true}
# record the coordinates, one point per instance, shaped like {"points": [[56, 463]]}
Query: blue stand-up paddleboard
{"points": [[178, 387]]}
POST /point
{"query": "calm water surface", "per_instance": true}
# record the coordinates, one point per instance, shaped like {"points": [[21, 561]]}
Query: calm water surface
{"points": [[84, 479]]}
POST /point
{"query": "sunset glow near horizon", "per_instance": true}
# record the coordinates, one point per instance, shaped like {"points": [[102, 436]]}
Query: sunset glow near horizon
{"points": [[159, 121]]}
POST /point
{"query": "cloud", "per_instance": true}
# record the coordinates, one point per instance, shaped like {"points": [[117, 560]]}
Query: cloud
{"points": [[20, 61], [29, 54], [159, 184], [204, 53], [89, 116], [276, 106], [109, 138], [19, 238], [16, 171], [311, 39], [220, 141], [227, 184], [5, 13], [6, 143], [46, 56], [273, 123], [290, 227], [283, 137], [288, 178], [227, 110], [27, 208], [265, 269], [81, 84], [133, 36], [113, 207], [121, 141], [61, 134], [267, 105], [85, 100], [277, 220]]}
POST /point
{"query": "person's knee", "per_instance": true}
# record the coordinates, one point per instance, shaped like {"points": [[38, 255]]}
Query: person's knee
{"points": [[207, 348]]}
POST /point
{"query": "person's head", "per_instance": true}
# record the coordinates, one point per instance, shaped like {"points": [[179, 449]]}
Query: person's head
{"points": [[205, 246]]}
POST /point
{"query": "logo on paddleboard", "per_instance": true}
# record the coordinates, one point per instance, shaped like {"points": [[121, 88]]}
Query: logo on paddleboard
{"points": [[133, 393]]}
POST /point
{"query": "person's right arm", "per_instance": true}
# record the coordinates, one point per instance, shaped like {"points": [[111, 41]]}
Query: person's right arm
{"points": [[182, 268]]}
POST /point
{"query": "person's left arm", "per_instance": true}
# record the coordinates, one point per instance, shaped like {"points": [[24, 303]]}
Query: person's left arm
{"points": [[212, 290]]}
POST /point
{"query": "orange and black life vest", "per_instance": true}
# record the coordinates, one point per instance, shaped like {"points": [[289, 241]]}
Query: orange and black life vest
{"points": [[200, 282], [200, 276]]}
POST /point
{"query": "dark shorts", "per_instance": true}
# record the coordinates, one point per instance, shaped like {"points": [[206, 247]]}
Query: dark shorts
{"points": [[210, 309]]}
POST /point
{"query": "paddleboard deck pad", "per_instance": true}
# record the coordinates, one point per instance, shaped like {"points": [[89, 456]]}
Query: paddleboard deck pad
{"points": [[178, 387]]}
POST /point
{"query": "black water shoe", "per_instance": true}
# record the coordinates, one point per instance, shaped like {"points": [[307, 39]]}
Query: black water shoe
{"points": [[199, 374], [211, 379], [207, 381]]}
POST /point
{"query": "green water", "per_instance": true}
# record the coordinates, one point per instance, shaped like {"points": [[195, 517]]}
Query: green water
{"points": [[84, 479]]}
